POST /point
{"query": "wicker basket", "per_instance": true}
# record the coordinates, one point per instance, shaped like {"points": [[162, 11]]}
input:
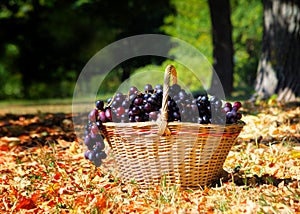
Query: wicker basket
{"points": [[186, 154]]}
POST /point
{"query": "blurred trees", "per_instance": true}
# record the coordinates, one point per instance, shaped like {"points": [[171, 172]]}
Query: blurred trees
{"points": [[191, 22], [247, 21], [45, 44]]}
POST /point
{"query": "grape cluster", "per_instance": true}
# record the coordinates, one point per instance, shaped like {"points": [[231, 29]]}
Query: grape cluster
{"points": [[144, 106], [147, 106], [92, 137], [232, 114]]}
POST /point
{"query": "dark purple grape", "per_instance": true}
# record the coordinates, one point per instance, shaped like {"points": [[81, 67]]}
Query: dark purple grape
{"points": [[141, 109], [120, 110], [204, 99], [227, 109], [124, 118], [234, 109], [87, 154], [125, 103], [102, 116], [176, 116], [133, 90], [147, 95], [175, 88], [93, 115], [91, 155], [208, 107], [194, 108], [89, 142], [148, 107], [108, 114], [233, 120], [96, 137], [237, 105], [130, 113], [132, 96], [182, 95], [138, 101], [99, 124], [205, 119], [119, 98], [109, 100], [153, 116], [100, 105], [170, 104], [227, 104], [217, 104], [114, 103], [135, 111], [97, 162], [94, 129], [152, 101], [138, 118], [238, 116], [102, 155], [159, 92], [233, 113], [99, 146], [119, 95], [148, 87], [154, 96], [199, 99], [188, 101], [158, 87], [145, 116], [229, 114]]}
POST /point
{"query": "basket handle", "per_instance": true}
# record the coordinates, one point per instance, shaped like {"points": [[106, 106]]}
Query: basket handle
{"points": [[163, 119]]}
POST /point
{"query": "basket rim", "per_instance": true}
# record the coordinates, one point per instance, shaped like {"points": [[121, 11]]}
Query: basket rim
{"points": [[154, 123]]}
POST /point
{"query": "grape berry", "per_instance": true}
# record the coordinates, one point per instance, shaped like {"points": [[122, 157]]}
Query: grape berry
{"points": [[145, 106]]}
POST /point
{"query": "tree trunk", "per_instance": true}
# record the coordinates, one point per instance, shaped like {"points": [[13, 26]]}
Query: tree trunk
{"points": [[222, 44], [279, 67]]}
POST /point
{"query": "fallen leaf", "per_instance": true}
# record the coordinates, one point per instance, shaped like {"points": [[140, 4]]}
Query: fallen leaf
{"points": [[25, 203]]}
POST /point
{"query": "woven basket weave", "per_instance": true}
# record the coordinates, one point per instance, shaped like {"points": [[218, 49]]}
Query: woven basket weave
{"points": [[186, 154]]}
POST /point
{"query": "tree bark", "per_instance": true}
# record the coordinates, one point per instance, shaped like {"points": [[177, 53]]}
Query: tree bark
{"points": [[279, 66], [222, 44]]}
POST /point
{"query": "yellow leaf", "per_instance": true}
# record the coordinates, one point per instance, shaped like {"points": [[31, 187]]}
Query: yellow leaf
{"points": [[53, 188], [296, 152]]}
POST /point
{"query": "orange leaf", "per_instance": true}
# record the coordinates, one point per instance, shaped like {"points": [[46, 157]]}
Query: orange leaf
{"points": [[4, 148], [57, 176], [35, 196], [101, 202], [25, 203]]}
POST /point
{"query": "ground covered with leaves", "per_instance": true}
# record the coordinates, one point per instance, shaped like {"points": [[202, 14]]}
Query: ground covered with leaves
{"points": [[42, 170]]}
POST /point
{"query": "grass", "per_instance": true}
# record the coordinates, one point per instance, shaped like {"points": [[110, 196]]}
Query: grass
{"points": [[25, 106]]}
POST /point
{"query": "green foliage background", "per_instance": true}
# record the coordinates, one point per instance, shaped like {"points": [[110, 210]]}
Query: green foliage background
{"points": [[247, 21], [61, 36]]}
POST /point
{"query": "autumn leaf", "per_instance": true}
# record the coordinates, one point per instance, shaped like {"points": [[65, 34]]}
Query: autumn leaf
{"points": [[57, 176], [45, 172], [25, 203]]}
